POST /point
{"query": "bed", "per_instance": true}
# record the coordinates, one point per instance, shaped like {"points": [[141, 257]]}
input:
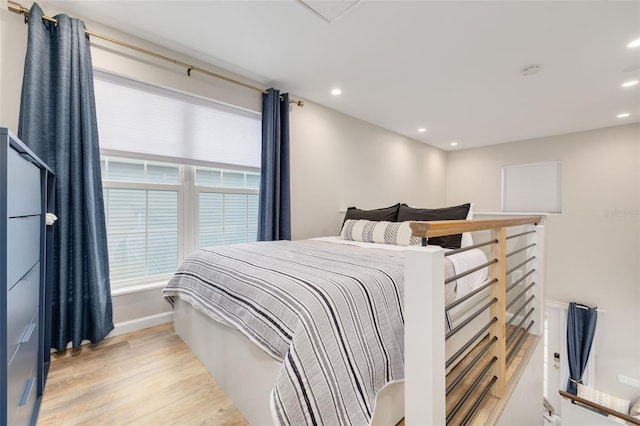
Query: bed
{"points": [[307, 331]]}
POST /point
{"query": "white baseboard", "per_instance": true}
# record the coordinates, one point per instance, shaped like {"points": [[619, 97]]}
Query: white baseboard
{"points": [[133, 325], [140, 323]]}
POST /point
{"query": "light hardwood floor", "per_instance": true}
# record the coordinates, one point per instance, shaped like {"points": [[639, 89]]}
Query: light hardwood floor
{"points": [[148, 377]]}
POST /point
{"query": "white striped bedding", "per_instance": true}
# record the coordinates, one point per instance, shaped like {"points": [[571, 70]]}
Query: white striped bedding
{"points": [[332, 314]]}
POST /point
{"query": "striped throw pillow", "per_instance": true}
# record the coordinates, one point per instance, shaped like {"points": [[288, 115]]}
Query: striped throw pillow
{"points": [[618, 404], [397, 233], [635, 410]]}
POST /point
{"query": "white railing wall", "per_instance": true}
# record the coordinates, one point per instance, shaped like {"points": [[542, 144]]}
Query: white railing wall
{"points": [[424, 324]]}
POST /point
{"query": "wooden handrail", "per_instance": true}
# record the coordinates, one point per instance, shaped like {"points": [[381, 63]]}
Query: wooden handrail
{"points": [[449, 227], [599, 407]]}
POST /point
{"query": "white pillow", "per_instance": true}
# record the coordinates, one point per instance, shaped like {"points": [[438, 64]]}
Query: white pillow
{"points": [[617, 404], [467, 239], [397, 233], [635, 410]]}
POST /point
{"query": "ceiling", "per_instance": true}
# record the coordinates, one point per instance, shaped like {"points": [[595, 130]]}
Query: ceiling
{"points": [[452, 67]]}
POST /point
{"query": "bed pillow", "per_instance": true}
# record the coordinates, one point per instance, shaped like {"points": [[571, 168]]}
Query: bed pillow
{"points": [[382, 232], [635, 410], [388, 214], [613, 402], [467, 239], [460, 212]]}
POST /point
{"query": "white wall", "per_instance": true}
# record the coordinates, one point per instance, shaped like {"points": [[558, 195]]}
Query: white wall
{"points": [[13, 43], [337, 161], [593, 247], [523, 406]]}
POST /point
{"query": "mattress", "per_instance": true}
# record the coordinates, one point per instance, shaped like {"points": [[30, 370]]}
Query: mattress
{"points": [[455, 263]]}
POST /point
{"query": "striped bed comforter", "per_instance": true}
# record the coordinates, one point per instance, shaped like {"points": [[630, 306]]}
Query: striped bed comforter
{"points": [[332, 314]]}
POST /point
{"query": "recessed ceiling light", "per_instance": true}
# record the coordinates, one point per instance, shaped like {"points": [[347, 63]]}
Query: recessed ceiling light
{"points": [[336, 92], [422, 130], [454, 144], [634, 43], [623, 115], [630, 83]]}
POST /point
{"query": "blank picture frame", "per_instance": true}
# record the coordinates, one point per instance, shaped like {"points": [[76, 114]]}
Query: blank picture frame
{"points": [[532, 188]]}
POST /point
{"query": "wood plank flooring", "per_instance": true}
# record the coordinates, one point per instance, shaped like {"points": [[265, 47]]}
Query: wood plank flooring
{"points": [[148, 377]]}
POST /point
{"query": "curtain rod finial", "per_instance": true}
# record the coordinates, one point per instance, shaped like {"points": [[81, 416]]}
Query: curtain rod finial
{"points": [[19, 9]]}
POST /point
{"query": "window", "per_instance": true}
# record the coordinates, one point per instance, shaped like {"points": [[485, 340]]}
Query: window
{"points": [[227, 206], [142, 206], [145, 211], [178, 173], [532, 188]]}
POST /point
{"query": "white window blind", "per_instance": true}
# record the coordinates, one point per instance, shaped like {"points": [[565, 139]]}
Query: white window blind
{"points": [[161, 122], [228, 206], [142, 230], [227, 218]]}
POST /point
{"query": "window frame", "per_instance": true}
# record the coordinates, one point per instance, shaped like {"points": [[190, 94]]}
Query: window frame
{"points": [[188, 214], [179, 187], [199, 189]]}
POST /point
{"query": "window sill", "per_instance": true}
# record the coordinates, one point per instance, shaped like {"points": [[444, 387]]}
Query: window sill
{"points": [[137, 288]]}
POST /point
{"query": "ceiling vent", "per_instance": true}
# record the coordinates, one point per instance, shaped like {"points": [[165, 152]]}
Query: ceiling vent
{"points": [[328, 10]]}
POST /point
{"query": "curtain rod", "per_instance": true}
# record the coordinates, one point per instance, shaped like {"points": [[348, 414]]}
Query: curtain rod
{"points": [[565, 306], [20, 10]]}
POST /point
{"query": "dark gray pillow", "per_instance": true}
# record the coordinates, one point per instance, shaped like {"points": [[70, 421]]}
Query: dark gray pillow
{"points": [[390, 214], [446, 213]]}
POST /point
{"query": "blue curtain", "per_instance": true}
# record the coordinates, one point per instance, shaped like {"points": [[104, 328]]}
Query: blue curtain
{"points": [[58, 122], [581, 328], [274, 217]]}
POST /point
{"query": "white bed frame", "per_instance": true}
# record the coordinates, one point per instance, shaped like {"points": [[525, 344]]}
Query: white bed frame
{"points": [[246, 373]]}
